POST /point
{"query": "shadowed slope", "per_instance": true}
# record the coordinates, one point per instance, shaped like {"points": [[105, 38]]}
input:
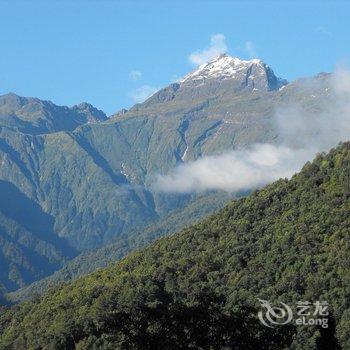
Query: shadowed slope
{"points": [[30, 248], [287, 242]]}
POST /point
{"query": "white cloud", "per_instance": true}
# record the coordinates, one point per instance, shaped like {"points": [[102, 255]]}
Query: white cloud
{"points": [[143, 93], [249, 49], [217, 46], [302, 134], [135, 75], [233, 171]]}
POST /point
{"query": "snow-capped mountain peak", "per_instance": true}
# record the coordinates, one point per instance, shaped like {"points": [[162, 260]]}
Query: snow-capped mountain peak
{"points": [[226, 67], [222, 75], [221, 66]]}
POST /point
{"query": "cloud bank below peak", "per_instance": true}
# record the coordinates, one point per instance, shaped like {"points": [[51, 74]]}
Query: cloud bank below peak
{"points": [[301, 136], [233, 171]]}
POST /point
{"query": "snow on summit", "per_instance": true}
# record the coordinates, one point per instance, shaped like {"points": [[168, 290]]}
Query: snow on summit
{"points": [[222, 66], [228, 67]]}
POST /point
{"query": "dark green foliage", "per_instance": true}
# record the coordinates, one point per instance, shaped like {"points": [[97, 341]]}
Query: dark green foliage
{"points": [[90, 261], [327, 339], [92, 176], [3, 300], [288, 242], [156, 319]]}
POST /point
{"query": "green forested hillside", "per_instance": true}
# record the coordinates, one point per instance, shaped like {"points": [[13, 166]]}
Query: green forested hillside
{"points": [[91, 177], [199, 288], [29, 248], [90, 261]]}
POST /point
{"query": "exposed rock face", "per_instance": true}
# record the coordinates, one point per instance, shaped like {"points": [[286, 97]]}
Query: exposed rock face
{"points": [[222, 76], [253, 74], [89, 112]]}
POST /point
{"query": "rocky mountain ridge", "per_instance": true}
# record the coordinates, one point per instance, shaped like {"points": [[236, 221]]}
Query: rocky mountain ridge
{"points": [[34, 116], [250, 74], [92, 176]]}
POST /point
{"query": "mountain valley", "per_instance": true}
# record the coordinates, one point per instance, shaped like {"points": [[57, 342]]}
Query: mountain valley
{"points": [[87, 179]]}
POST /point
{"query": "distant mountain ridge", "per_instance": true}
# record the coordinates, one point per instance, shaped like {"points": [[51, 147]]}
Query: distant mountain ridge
{"points": [[93, 175], [223, 76], [34, 116]]}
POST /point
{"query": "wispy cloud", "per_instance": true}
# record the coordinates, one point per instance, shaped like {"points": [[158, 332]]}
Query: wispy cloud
{"points": [[135, 75], [323, 30], [232, 171], [302, 134], [217, 46], [249, 49], [143, 93]]}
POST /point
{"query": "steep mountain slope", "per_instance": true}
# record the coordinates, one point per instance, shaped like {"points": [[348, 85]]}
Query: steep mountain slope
{"points": [[91, 261], [199, 288], [93, 176], [29, 247], [195, 120]]}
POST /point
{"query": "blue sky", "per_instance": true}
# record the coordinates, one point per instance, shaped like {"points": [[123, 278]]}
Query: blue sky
{"points": [[113, 53]]}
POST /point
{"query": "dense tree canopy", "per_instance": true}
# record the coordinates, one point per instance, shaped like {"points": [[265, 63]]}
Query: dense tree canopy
{"points": [[198, 288]]}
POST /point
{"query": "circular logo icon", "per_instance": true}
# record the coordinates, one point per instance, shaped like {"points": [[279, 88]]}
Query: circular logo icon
{"points": [[274, 315]]}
